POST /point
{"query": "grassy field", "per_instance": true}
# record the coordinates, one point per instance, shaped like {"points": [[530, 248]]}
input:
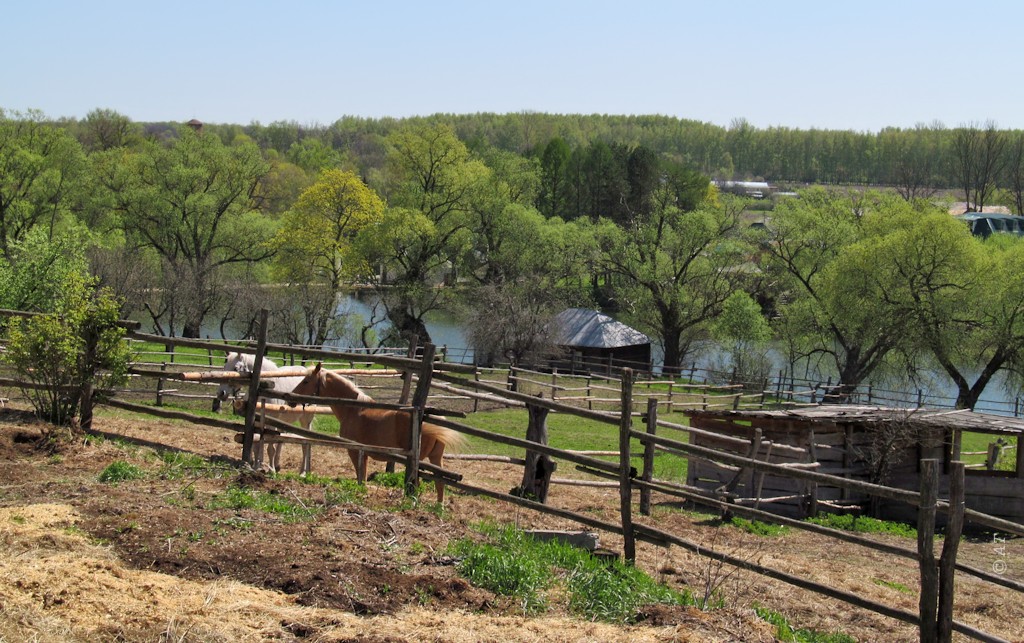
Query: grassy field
{"points": [[573, 433], [974, 446]]}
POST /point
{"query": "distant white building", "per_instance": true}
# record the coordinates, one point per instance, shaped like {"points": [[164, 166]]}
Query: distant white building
{"points": [[752, 189]]}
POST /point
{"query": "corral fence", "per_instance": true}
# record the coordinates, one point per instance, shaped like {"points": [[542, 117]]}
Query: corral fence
{"points": [[934, 618]]}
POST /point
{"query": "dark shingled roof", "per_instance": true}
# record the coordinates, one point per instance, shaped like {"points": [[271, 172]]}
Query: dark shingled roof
{"points": [[580, 327]]}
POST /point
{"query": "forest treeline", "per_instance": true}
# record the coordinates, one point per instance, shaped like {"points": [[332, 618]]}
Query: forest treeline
{"points": [[505, 220]]}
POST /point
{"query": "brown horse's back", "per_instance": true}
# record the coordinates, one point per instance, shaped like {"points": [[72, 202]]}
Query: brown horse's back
{"points": [[387, 428]]}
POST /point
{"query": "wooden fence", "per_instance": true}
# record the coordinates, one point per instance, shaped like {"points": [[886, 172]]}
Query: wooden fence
{"points": [[934, 618]]}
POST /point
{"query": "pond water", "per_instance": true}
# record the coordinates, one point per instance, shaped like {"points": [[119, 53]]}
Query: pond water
{"points": [[446, 331]]}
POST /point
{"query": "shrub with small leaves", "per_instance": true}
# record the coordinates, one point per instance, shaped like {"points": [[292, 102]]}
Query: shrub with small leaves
{"points": [[69, 351]]}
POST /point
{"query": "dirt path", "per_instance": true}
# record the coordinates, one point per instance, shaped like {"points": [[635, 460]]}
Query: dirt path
{"points": [[156, 559]]}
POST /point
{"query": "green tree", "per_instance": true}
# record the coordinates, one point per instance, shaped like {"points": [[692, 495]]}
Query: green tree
{"points": [[191, 203], [962, 295], [427, 228], [743, 333], [106, 129], [315, 251], [672, 271], [37, 269], [41, 167], [833, 319], [553, 196]]}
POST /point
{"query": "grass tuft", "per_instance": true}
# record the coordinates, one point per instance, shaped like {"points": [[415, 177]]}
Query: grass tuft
{"points": [[864, 524], [786, 633], [120, 471], [512, 563], [290, 510]]}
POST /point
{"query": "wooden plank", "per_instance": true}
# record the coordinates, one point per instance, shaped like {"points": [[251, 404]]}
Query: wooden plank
{"points": [[929, 591]]}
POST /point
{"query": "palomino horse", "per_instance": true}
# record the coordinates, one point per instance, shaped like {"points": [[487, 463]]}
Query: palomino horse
{"points": [[376, 427], [243, 363]]}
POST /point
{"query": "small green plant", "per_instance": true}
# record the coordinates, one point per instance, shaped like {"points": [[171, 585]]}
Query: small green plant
{"points": [[899, 587], [244, 498], [864, 524], [177, 464], [235, 523], [120, 471], [392, 479], [758, 528], [18, 519], [785, 632], [56, 458], [417, 548]]}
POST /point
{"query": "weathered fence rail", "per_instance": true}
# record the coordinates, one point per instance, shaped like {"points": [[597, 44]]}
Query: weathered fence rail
{"points": [[934, 618]]}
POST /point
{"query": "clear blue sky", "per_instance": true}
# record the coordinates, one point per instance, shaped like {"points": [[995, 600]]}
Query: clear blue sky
{"points": [[860, 65]]}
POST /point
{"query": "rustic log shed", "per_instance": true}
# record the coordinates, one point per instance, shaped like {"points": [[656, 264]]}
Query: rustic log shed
{"points": [[876, 444], [594, 342]]}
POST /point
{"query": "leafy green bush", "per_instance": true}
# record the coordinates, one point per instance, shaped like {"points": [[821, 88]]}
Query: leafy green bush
{"points": [[120, 471], [70, 351]]}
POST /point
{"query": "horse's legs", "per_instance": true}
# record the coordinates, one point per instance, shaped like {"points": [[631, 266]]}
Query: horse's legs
{"points": [[257, 454], [359, 462], [274, 455], [436, 455], [307, 459]]}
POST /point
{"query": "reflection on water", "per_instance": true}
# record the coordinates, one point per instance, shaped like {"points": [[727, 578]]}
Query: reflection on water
{"points": [[444, 328]]}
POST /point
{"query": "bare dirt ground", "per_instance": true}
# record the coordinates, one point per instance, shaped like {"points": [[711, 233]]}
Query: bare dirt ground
{"points": [[151, 559]]}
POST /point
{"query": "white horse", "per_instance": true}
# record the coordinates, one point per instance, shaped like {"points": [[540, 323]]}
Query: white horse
{"points": [[243, 363]]}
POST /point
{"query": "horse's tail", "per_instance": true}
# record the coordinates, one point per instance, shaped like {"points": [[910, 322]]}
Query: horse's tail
{"points": [[452, 440]]}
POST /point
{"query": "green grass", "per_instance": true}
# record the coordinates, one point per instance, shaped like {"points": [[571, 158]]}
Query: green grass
{"points": [[573, 433], [511, 563], [864, 524], [759, 528], [979, 442], [291, 510], [785, 632], [899, 587], [120, 471], [178, 464]]}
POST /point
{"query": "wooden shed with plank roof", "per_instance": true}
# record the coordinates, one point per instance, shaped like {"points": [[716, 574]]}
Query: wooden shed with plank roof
{"points": [[875, 444], [594, 341]]}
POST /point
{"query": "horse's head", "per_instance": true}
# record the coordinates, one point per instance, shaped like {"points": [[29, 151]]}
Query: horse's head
{"points": [[321, 383], [312, 383], [229, 390]]}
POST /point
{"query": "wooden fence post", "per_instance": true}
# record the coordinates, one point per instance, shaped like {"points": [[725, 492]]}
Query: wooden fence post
{"points": [[419, 403], [412, 466], [403, 398], [947, 561], [648, 473], [538, 467], [160, 386], [254, 389], [928, 603], [626, 472]]}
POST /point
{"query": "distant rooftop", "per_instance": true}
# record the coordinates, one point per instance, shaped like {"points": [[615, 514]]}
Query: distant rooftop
{"points": [[588, 328]]}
